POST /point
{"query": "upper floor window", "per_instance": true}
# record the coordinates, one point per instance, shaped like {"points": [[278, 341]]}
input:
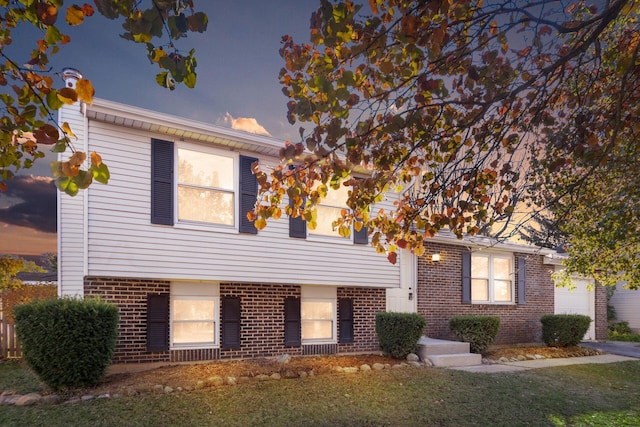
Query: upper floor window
{"points": [[207, 187], [491, 278], [328, 210]]}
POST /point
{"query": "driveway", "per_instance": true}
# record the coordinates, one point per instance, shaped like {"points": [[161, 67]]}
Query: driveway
{"points": [[631, 349]]}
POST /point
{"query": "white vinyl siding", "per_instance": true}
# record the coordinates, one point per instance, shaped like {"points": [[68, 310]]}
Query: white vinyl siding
{"points": [[123, 242], [627, 305]]}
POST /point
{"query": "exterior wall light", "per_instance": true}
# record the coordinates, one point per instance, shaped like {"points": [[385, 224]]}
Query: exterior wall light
{"points": [[435, 257]]}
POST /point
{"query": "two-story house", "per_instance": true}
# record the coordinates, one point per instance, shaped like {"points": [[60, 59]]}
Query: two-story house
{"points": [[168, 241]]}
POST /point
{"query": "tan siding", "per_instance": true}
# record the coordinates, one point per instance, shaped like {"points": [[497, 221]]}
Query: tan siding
{"points": [[627, 305]]}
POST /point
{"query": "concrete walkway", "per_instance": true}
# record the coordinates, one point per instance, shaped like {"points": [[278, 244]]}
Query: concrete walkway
{"points": [[543, 363]]}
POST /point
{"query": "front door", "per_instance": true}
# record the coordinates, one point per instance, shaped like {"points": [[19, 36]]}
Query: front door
{"points": [[403, 299]]}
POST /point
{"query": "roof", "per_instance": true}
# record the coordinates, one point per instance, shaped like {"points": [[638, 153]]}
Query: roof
{"points": [[179, 127]]}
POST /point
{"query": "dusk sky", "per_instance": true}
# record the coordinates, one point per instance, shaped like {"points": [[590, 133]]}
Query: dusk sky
{"points": [[238, 65]]}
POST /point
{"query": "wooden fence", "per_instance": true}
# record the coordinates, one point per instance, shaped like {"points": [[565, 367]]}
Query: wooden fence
{"points": [[9, 345]]}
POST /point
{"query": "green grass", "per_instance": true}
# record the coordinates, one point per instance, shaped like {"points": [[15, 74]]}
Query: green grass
{"points": [[629, 337], [578, 395], [16, 377]]}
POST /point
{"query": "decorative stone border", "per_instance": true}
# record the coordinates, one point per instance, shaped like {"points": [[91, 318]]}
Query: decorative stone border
{"points": [[9, 398]]}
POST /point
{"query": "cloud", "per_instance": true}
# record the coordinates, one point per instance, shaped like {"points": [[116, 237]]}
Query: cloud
{"points": [[33, 203], [247, 124]]}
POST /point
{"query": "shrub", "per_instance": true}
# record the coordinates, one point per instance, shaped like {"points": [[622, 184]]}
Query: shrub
{"points": [[563, 330], [478, 331], [398, 333], [620, 327], [67, 342]]}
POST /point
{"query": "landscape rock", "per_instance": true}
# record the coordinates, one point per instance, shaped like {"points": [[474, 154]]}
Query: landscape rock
{"points": [[215, 380], [168, 389], [199, 385], [503, 360], [378, 366], [87, 397], [350, 370], [28, 399], [283, 358], [365, 367], [158, 388], [232, 380], [415, 364], [263, 377], [427, 363], [275, 376], [290, 374], [539, 356], [243, 380], [412, 357]]}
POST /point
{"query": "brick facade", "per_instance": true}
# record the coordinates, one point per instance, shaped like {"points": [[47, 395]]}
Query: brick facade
{"points": [[601, 312], [262, 320], [440, 296]]}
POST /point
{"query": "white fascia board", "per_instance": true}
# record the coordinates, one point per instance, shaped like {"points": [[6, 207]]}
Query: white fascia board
{"points": [[110, 111], [481, 242]]}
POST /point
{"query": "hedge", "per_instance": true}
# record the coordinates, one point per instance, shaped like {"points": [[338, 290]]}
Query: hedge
{"points": [[564, 330], [398, 333], [478, 331], [67, 342]]}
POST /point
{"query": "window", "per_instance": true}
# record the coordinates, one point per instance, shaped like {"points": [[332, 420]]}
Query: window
{"points": [[206, 187], [491, 278], [318, 314], [328, 210], [194, 315]]}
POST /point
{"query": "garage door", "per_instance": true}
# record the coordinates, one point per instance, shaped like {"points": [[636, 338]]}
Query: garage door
{"points": [[580, 300]]}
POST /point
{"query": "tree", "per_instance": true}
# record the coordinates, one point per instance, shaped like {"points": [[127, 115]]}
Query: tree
{"points": [[27, 121], [468, 110], [9, 269]]}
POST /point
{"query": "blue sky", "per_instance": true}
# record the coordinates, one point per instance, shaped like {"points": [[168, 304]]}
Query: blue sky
{"points": [[238, 66]]}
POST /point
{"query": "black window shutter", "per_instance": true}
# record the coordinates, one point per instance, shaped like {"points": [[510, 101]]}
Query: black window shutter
{"points": [[345, 320], [231, 322], [361, 237], [161, 182], [297, 226], [522, 280], [158, 322], [292, 322], [466, 277], [248, 194]]}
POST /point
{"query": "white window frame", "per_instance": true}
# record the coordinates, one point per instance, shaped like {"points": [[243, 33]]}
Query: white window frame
{"points": [[195, 291], [183, 223], [491, 279], [320, 294], [313, 235]]}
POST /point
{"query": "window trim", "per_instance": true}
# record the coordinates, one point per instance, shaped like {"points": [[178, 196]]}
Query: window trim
{"points": [[203, 225], [491, 278], [189, 291]]}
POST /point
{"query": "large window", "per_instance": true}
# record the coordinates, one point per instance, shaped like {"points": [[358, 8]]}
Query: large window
{"points": [[318, 314], [206, 187], [194, 314], [491, 278], [329, 210]]}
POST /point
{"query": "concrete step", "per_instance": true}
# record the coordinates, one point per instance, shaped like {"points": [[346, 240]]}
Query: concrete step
{"points": [[449, 360], [431, 346]]}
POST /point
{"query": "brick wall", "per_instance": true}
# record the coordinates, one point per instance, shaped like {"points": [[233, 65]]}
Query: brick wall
{"points": [[601, 312], [440, 296], [366, 303], [130, 295], [262, 320]]}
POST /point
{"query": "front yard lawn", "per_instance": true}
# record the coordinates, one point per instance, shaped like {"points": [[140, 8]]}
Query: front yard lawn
{"points": [[578, 395]]}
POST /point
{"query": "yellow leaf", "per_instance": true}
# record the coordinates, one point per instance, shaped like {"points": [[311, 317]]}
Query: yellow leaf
{"points": [[85, 90], [419, 250], [67, 129], [96, 160], [75, 15], [260, 223]]}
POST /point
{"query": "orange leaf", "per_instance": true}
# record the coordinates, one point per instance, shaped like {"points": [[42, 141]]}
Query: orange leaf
{"points": [[47, 14], [75, 15], [87, 9], [96, 160], [47, 135], [525, 51], [78, 158], [392, 257], [85, 90]]}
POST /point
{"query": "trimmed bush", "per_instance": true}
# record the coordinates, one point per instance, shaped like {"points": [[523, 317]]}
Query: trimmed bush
{"points": [[620, 327], [478, 331], [398, 333], [564, 330], [67, 342]]}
